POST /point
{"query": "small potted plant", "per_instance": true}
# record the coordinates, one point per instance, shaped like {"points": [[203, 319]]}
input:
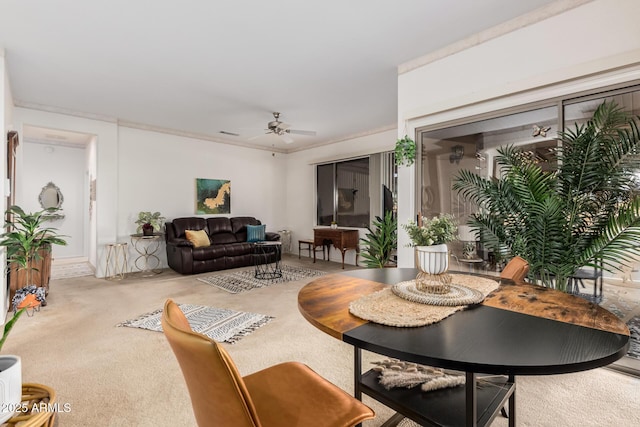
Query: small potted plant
{"points": [[334, 224], [149, 222], [430, 237], [405, 151]]}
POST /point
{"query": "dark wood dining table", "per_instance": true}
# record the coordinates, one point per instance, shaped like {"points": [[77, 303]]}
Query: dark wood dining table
{"points": [[519, 329]]}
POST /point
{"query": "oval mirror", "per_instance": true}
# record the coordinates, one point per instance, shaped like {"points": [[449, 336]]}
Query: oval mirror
{"points": [[50, 197]]}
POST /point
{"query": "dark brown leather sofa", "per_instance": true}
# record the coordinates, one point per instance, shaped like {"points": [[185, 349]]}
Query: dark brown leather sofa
{"points": [[229, 247]]}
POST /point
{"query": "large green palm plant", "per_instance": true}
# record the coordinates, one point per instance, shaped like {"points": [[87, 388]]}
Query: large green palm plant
{"points": [[584, 213]]}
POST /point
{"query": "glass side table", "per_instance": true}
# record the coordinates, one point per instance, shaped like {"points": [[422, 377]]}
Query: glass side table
{"points": [[147, 247]]}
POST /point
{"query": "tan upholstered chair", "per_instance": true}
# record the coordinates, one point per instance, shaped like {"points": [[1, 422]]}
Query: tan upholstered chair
{"points": [[516, 270], [288, 394]]}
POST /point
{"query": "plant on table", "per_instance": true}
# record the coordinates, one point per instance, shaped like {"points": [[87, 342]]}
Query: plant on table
{"points": [[148, 222], [430, 237], [438, 230], [585, 211]]}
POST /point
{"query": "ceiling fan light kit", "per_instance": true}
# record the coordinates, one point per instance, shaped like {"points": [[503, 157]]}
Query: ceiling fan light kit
{"points": [[281, 129]]}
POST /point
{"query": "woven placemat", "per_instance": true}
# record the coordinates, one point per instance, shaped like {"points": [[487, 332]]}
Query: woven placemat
{"points": [[457, 295], [388, 309]]}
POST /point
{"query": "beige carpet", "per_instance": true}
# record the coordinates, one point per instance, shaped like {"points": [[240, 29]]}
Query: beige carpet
{"points": [[114, 376]]}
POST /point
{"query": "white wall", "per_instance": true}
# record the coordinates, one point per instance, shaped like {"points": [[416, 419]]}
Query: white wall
{"points": [[65, 167], [591, 46], [301, 184], [157, 172]]}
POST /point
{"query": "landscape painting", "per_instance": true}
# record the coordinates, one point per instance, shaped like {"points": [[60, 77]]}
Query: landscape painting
{"points": [[213, 196]]}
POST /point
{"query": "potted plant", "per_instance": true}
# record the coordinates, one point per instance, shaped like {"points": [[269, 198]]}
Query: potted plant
{"points": [[405, 151], [149, 222], [380, 242], [10, 375], [26, 239], [430, 236], [585, 212]]}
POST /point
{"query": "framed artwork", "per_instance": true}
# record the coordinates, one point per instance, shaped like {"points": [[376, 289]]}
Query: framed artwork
{"points": [[213, 196]]}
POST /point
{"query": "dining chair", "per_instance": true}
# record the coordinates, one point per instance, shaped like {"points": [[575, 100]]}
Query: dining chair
{"points": [[287, 394], [516, 269]]}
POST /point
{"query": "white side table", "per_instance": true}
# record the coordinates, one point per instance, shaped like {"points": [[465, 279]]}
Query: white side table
{"points": [[285, 238]]}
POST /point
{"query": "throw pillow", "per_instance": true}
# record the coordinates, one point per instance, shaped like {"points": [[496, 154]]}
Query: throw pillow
{"points": [[199, 238], [255, 233]]}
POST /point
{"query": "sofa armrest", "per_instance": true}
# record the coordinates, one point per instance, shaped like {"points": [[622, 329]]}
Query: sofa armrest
{"points": [[271, 236], [179, 242]]}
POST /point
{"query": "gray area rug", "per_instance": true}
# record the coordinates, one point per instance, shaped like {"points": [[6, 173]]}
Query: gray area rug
{"points": [[245, 280], [219, 324]]}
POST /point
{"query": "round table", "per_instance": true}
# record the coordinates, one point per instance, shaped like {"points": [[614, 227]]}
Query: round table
{"points": [[518, 330]]}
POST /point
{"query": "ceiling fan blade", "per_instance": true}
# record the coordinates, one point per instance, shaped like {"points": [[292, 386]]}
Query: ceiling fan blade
{"points": [[302, 132], [224, 132], [259, 136], [286, 138]]}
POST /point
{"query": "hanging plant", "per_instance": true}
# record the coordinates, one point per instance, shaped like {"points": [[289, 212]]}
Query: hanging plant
{"points": [[405, 151]]}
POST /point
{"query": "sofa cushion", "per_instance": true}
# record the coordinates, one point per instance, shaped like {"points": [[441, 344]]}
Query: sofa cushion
{"points": [[219, 225], [238, 249], [255, 233], [222, 238], [180, 225], [239, 226], [199, 238], [209, 252]]}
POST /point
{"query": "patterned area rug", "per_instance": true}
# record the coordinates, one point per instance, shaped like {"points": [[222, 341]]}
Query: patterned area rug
{"points": [[634, 328], [240, 281], [68, 270], [219, 324]]}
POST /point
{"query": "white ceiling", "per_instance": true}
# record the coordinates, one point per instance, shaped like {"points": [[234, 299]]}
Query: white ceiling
{"points": [[205, 66]]}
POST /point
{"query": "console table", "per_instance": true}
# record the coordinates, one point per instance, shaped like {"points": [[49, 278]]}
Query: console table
{"points": [[519, 329], [342, 239]]}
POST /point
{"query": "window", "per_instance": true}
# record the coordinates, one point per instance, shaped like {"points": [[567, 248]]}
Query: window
{"points": [[343, 193]]}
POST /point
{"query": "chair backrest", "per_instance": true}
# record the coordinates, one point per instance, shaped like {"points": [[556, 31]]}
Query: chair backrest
{"points": [[218, 393], [516, 269]]}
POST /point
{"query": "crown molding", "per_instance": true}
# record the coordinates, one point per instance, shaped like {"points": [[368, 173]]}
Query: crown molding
{"points": [[535, 16], [194, 135]]}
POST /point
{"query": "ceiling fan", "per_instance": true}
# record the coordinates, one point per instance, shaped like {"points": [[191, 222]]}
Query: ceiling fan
{"points": [[283, 130]]}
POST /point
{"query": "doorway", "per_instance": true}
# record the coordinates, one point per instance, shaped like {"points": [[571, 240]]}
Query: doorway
{"points": [[63, 159]]}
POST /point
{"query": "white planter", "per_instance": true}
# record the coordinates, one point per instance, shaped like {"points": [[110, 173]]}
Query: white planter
{"points": [[432, 259], [10, 386]]}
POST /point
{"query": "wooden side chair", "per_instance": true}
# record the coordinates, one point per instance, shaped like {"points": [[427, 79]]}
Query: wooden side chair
{"points": [[516, 270], [287, 394]]}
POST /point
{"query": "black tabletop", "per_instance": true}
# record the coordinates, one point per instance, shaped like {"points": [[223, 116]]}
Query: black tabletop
{"points": [[493, 340]]}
